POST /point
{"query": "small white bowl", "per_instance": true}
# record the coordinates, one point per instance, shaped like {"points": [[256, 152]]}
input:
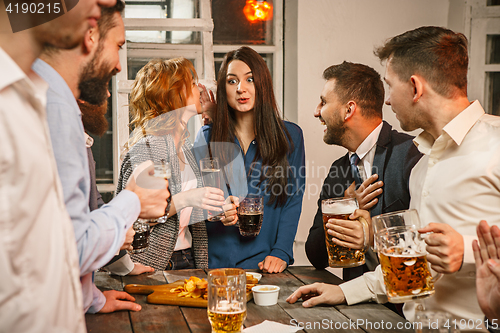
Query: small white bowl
{"points": [[265, 295], [255, 275]]}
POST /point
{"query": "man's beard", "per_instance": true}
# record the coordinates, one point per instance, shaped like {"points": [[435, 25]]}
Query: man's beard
{"points": [[334, 134], [94, 80], [94, 117]]}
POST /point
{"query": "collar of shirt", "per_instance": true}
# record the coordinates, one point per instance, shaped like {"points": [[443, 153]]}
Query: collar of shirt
{"points": [[55, 80], [455, 130], [366, 152], [250, 146], [31, 86], [89, 141]]}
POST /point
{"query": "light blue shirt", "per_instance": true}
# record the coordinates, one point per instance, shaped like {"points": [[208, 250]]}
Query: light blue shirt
{"points": [[99, 234]]}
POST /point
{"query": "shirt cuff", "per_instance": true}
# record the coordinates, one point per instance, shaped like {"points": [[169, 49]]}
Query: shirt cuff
{"points": [[368, 287], [356, 291], [122, 266], [98, 300], [468, 252], [129, 204], [282, 255]]}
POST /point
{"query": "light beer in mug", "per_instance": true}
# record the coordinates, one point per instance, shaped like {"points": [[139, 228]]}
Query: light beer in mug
{"points": [[227, 322], [406, 276], [227, 299], [340, 256], [403, 257]]}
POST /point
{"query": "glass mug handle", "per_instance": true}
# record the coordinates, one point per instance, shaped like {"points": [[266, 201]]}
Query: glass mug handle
{"points": [[366, 233], [437, 277]]}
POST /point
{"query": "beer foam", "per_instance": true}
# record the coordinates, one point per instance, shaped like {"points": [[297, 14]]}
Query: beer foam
{"points": [[210, 170], [340, 208], [224, 306], [397, 251]]}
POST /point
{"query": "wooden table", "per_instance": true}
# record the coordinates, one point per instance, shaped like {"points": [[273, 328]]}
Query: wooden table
{"points": [[366, 317]]}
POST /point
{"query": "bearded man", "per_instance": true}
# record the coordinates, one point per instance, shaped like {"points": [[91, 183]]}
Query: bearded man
{"points": [[376, 168], [99, 234], [95, 122]]}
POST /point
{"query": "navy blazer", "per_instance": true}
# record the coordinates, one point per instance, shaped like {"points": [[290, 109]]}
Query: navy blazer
{"points": [[395, 156]]}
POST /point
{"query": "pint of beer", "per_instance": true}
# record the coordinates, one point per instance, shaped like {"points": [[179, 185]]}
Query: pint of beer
{"points": [[402, 256], [212, 177], [251, 215], [340, 256], [406, 276], [141, 236], [227, 299]]}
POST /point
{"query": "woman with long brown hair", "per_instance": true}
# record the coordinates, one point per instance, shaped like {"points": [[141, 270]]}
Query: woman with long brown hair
{"points": [[273, 155], [163, 98]]}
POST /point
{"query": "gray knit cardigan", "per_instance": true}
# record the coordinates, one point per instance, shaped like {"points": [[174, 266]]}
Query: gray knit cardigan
{"points": [[164, 235]]}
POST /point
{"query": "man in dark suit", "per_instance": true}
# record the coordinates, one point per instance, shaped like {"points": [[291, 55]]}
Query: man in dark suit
{"points": [[376, 168]]}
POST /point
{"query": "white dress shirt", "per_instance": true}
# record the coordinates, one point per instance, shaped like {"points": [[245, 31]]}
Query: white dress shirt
{"points": [[456, 182], [40, 289], [366, 153]]}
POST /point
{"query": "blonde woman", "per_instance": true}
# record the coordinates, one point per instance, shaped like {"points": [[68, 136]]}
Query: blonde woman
{"points": [[163, 98]]}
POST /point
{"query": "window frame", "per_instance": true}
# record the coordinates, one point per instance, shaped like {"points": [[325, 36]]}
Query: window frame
{"points": [[481, 21], [204, 64]]}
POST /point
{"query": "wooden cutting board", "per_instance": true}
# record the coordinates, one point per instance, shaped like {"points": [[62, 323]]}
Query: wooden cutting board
{"points": [[160, 294]]}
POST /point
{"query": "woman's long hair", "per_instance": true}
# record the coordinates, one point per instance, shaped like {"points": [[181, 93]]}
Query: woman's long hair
{"points": [[273, 140], [160, 86]]}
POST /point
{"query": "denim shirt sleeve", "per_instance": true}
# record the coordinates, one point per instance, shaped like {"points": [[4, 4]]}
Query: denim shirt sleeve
{"points": [[98, 300], [99, 234]]}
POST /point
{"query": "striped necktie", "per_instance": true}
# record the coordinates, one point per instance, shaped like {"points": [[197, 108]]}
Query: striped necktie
{"points": [[354, 167]]}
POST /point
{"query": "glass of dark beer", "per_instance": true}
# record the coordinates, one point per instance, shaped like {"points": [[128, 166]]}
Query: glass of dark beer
{"points": [[141, 238], [340, 256], [250, 215]]}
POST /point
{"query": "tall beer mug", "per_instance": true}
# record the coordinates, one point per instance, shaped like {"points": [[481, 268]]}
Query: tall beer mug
{"points": [[340, 256], [212, 177], [402, 256], [227, 299]]}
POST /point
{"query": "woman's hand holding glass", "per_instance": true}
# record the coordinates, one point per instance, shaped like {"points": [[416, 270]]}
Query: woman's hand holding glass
{"points": [[209, 198], [230, 211]]}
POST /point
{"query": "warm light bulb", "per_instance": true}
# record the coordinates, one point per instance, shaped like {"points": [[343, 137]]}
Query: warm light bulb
{"points": [[258, 11]]}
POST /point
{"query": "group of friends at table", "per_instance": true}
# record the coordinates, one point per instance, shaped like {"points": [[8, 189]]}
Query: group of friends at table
{"points": [[53, 94]]}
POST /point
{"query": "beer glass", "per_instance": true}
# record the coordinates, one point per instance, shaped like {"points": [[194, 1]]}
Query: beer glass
{"points": [[141, 238], [250, 215], [212, 177], [434, 322], [340, 256], [163, 170], [227, 299], [402, 256]]}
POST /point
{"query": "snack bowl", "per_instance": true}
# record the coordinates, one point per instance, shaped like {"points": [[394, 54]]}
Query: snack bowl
{"points": [[255, 275], [265, 295]]}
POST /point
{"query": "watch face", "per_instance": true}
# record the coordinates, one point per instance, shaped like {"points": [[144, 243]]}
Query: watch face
{"points": [[26, 14]]}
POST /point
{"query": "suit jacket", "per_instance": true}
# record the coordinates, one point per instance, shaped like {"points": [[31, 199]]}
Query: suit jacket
{"points": [[395, 156], [95, 198]]}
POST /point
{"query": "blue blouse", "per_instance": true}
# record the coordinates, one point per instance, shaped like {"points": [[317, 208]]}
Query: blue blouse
{"points": [[226, 247]]}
